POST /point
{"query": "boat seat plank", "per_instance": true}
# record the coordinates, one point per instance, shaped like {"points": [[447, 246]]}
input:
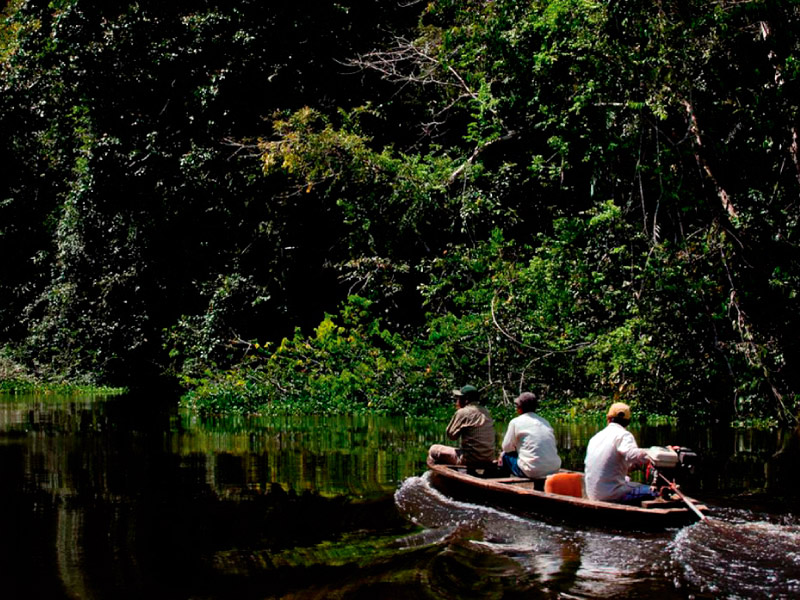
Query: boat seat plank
{"points": [[661, 503]]}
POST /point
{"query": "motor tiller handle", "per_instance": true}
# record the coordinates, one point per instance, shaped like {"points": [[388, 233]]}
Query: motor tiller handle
{"points": [[688, 502]]}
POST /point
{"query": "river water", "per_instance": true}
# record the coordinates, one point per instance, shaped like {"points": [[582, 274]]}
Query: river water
{"points": [[130, 498]]}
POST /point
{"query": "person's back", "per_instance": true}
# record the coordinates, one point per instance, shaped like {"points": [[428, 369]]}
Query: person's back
{"points": [[529, 446], [606, 467], [535, 444], [474, 425]]}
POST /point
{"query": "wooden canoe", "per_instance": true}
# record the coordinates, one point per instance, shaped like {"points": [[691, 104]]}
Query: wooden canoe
{"points": [[518, 495]]}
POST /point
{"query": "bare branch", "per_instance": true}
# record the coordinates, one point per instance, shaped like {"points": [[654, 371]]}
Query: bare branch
{"points": [[412, 62], [727, 204], [477, 152], [544, 353]]}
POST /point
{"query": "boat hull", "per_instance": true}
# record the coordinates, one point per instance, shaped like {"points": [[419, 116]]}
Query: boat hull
{"points": [[518, 495]]}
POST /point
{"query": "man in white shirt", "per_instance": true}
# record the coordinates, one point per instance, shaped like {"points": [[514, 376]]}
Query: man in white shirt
{"points": [[529, 446], [611, 453]]}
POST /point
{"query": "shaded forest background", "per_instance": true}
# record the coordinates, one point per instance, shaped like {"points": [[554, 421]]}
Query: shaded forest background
{"points": [[357, 205]]}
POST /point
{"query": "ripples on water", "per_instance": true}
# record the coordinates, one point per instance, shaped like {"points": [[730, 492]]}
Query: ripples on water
{"points": [[740, 559], [727, 557]]}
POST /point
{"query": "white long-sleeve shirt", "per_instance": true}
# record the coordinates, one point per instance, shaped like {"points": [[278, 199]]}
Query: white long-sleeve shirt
{"points": [[611, 453], [532, 438]]}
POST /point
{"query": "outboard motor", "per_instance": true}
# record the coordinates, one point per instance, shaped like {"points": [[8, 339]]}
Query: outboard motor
{"points": [[676, 463]]}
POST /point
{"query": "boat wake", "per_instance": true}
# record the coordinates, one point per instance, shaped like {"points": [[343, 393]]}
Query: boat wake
{"points": [[724, 557], [735, 559], [559, 558]]}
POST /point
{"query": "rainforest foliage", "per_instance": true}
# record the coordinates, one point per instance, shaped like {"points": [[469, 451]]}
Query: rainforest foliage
{"points": [[358, 205]]}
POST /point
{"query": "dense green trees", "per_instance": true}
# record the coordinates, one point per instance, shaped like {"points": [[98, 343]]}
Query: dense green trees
{"points": [[594, 199], [131, 202]]}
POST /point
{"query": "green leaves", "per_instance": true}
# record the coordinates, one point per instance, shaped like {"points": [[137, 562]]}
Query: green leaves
{"points": [[595, 198], [350, 364]]}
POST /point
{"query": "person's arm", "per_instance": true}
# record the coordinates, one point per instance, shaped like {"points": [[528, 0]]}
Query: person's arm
{"points": [[454, 428], [510, 439], [634, 456]]}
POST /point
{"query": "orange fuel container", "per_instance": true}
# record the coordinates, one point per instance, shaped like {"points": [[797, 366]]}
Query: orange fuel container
{"points": [[566, 484]]}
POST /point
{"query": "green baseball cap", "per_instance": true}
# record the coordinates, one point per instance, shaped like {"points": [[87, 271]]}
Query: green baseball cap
{"points": [[467, 390]]}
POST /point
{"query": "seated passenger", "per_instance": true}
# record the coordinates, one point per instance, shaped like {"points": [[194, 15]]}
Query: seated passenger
{"points": [[529, 446], [473, 424], [610, 455]]}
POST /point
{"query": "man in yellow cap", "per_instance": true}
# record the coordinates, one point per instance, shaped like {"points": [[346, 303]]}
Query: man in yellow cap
{"points": [[473, 424], [611, 453]]}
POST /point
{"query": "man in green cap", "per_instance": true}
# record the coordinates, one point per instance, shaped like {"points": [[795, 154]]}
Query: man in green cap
{"points": [[474, 425]]}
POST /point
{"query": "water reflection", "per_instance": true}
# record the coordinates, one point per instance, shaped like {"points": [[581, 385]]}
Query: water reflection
{"points": [[128, 498], [358, 455]]}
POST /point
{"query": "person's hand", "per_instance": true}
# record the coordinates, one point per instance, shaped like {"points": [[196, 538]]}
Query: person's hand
{"points": [[649, 470]]}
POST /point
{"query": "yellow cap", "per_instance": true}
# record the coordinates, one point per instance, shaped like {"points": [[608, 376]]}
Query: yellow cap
{"points": [[620, 409]]}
